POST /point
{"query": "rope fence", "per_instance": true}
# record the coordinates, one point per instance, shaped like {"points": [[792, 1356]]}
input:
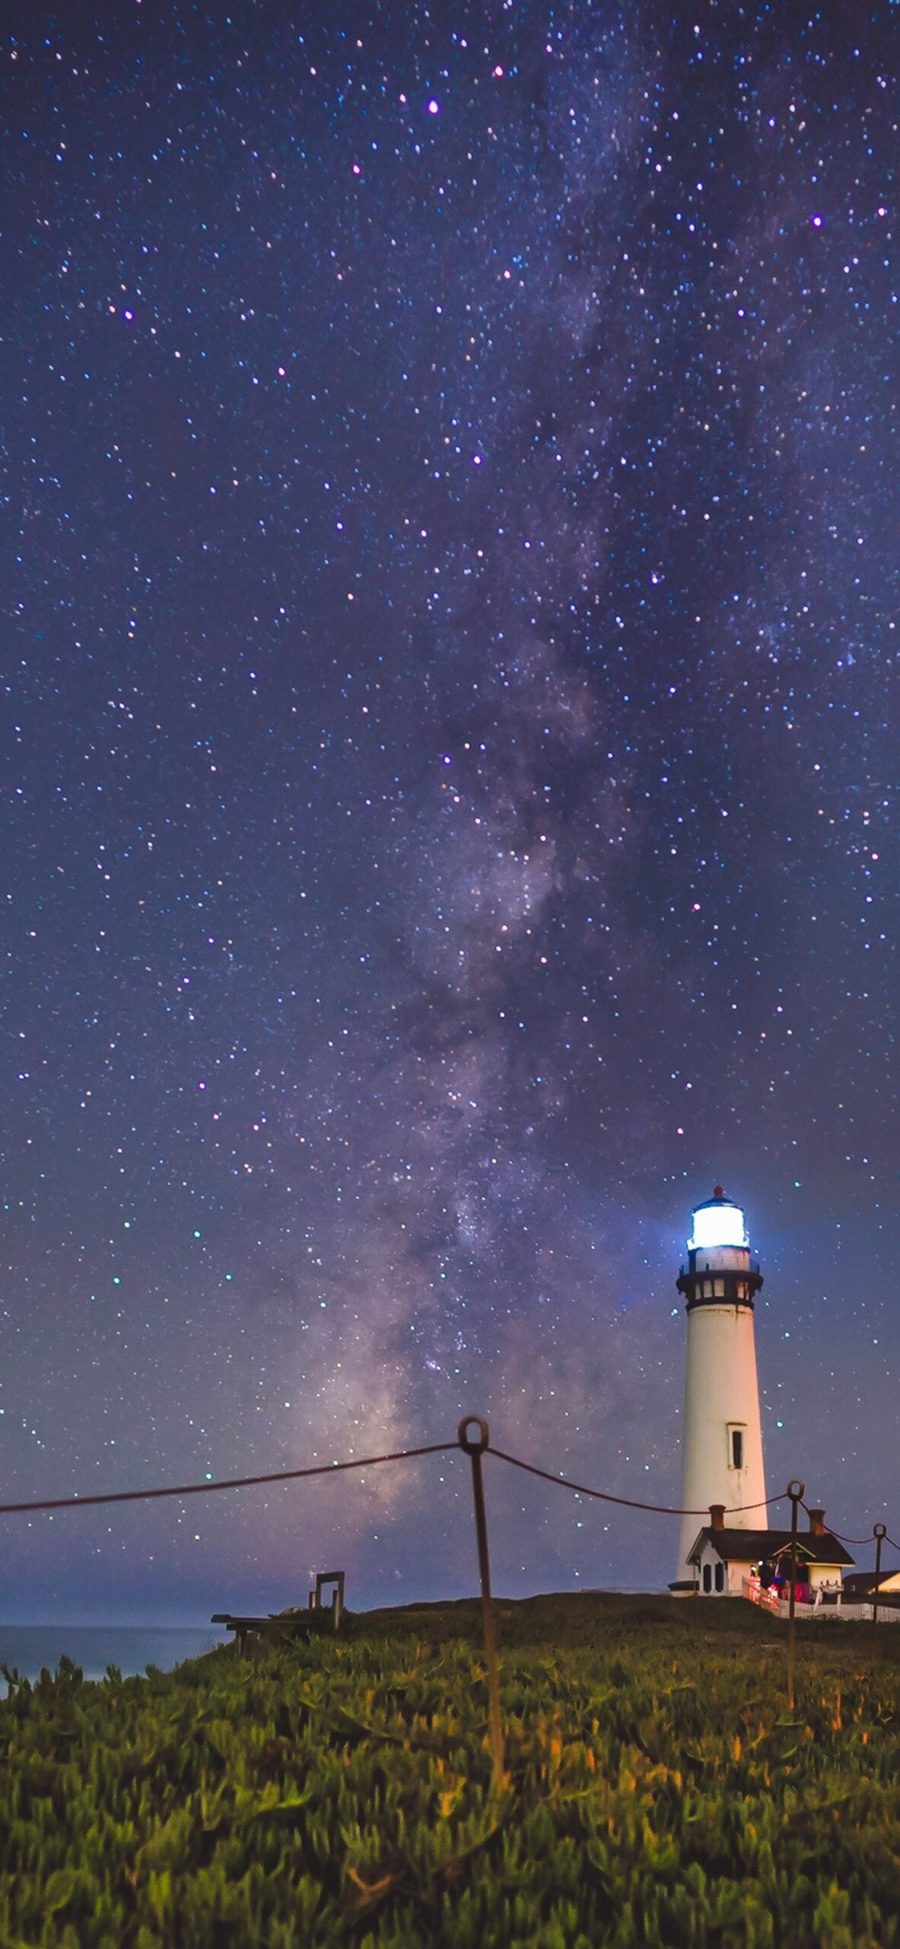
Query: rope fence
{"points": [[476, 1445], [626, 1502], [230, 1482], [403, 1455]]}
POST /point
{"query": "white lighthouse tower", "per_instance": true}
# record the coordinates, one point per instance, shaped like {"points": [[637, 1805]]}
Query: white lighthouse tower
{"points": [[722, 1453]]}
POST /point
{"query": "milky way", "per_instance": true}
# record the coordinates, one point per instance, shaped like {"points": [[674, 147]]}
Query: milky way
{"points": [[448, 543]]}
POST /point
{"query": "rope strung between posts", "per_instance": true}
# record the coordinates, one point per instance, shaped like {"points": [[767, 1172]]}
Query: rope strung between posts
{"points": [[851, 1539], [860, 1539], [374, 1461], [232, 1482], [841, 1538], [624, 1502]]}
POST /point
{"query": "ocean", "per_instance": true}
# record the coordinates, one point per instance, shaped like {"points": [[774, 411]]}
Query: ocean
{"points": [[28, 1648]]}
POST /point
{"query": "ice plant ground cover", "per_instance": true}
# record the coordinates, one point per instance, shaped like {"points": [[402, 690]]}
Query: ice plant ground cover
{"points": [[337, 1790]]}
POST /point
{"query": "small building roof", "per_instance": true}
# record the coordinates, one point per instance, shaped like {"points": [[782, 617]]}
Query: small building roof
{"points": [[865, 1580], [754, 1545]]}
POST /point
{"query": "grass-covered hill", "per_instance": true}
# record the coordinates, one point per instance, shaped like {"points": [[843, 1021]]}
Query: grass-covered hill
{"points": [[591, 1617], [337, 1789]]}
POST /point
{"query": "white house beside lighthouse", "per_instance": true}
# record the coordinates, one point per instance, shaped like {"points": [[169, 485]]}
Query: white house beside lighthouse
{"points": [[722, 1452]]}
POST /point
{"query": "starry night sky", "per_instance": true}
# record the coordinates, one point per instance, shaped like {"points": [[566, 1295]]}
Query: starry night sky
{"points": [[447, 550]]}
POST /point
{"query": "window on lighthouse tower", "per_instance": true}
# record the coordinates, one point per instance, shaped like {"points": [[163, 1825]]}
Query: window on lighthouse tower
{"points": [[736, 1448]]}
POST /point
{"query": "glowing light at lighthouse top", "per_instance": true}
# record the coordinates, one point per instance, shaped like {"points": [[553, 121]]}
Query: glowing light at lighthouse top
{"points": [[716, 1223]]}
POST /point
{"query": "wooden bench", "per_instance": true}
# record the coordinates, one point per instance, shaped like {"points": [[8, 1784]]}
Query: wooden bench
{"points": [[297, 1623], [244, 1627]]}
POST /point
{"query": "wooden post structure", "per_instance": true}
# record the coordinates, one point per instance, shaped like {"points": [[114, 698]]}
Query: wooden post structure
{"points": [[474, 1446], [879, 1532], [337, 1578], [796, 1490]]}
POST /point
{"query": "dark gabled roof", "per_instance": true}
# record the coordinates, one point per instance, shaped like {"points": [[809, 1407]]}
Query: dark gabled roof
{"points": [[753, 1545], [867, 1580]]}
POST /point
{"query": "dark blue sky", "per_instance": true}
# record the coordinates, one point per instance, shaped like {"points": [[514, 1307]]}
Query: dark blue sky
{"points": [[447, 530]]}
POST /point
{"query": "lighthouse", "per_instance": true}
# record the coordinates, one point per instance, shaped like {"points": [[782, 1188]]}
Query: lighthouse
{"points": [[722, 1453]]}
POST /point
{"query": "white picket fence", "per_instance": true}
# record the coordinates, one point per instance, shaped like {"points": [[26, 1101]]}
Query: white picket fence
{"points": [[839, 1613]]}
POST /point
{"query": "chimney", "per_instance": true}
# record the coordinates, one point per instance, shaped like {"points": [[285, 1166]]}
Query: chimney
{"points": [[717, 1515], [817, 1522]]}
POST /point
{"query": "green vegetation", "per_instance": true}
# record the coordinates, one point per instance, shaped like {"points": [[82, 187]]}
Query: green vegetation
{"points": [[337, 1789]]}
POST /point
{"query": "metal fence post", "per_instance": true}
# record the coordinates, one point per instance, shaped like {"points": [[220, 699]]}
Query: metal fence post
{"points": [[474, 1446], [796, 1490], [879, 1532]]}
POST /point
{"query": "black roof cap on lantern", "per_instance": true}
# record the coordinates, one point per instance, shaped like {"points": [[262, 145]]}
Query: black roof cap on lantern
{"points": [[718, 1198]]}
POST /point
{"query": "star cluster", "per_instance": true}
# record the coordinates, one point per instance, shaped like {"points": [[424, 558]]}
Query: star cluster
{"points": [[446, 764]]}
